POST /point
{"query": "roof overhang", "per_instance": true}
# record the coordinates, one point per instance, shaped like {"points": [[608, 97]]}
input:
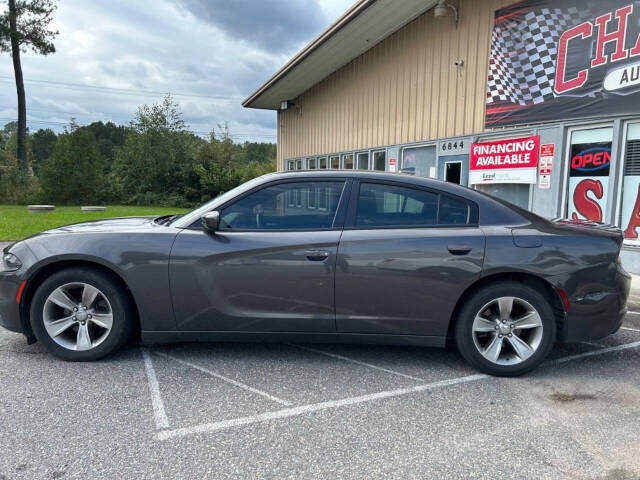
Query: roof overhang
{"points": [[365, 24]]}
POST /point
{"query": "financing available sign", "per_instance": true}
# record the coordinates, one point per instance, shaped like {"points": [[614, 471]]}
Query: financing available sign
{"points": [[504, 161], [561, 59]]}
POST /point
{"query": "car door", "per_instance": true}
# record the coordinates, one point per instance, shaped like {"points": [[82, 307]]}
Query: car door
{"points": [[406, 255], [270, 267]]}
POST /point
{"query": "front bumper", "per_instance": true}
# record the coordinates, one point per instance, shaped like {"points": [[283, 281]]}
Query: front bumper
{"points": [[9, 308], [598, 313]]}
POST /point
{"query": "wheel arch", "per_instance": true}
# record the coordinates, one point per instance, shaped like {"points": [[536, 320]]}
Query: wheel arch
{"points": [[40, 274], [532, 280]]}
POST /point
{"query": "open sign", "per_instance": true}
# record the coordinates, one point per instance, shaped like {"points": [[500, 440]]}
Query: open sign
{"points": [[591, 159]]}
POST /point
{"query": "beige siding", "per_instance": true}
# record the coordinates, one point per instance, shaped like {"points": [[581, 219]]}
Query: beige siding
{"points": [[404, 89]]}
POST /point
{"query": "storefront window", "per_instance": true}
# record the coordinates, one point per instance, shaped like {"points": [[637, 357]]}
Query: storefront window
{"points": [[419, 161], [322, 162], [516, 193], [630, 214], [347, 161], [335, 162], [380, 160], [291, 164], [363, 161], [299, 164], [311, 163], [589, 166]]}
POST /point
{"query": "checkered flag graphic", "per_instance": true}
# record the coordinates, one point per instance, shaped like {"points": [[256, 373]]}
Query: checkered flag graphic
{"points": [[523, 55]]}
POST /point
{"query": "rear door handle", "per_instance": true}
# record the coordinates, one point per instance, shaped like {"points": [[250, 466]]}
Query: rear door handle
{"points": [[459, 249], [316, 255]]}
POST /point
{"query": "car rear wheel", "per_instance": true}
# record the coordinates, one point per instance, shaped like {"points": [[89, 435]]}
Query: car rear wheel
{"points": [[505, 329], [81, 314]]}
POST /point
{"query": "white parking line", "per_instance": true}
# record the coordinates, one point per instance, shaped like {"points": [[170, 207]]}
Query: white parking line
{"points": [[315, 407], [226, 379], [617, 348], [630, 329], [632, 312], [159, 414], [357, 362]]}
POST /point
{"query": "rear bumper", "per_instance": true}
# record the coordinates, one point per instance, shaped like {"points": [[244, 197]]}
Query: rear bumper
{"points": [[597, 314], [9, 308]]}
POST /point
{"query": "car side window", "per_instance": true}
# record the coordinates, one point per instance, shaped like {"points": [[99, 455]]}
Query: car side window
{"points": [[285, 206], [381, 205], [453, 211]]}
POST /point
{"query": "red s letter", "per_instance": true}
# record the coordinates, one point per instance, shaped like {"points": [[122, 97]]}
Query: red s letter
{"points": [[586, 206], [561, 85], [634, 221]]}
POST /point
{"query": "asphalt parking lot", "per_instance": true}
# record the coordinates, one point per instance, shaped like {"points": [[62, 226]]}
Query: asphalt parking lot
{"points": [[319, 411]]}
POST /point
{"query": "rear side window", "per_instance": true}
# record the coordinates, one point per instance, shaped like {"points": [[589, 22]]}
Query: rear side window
{"points": [[382, 205], [453, 211]]}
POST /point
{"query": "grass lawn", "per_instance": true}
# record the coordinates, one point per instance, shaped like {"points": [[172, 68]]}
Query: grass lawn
{"points": [[16, 222]]}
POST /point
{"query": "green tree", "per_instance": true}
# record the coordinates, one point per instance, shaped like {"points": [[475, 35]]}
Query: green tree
{"points": [[42, 143], [155, 165], [25, 24], [222, 165], [73, 173]]}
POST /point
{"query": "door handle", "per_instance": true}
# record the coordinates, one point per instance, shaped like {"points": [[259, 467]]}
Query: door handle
{"points": [[462, 249], [316, 255]]}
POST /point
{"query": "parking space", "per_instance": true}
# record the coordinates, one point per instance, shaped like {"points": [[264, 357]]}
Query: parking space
{"points": [[319, 411]]}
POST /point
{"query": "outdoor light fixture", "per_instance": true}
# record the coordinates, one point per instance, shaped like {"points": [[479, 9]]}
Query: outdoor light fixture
{"points": [[286, 104], [440, 11]]}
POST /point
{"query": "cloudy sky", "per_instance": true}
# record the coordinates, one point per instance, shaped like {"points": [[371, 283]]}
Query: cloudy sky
{"points": [[113, 55]]}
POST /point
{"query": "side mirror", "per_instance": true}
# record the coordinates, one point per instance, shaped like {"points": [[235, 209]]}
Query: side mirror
{"points": [[211, 221]]}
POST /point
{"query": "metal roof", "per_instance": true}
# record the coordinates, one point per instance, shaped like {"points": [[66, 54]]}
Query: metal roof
{"points": [[365, 24]]}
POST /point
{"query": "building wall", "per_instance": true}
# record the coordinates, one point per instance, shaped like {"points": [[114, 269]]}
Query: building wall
{"points": [[405, 89]]}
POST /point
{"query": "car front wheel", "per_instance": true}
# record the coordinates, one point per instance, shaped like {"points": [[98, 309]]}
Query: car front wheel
{"points": [[505, 329], [81, 314]]}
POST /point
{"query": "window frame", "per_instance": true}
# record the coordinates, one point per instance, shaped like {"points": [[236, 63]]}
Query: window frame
{"points": [[338, 220], [473, 212]]}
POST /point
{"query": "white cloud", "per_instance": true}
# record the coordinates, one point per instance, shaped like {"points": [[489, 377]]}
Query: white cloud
{"points": [[220, 49]]}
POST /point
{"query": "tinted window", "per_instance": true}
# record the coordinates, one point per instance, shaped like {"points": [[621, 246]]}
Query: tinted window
{"points": [[286, 206], [453, 211], [388, 205]]}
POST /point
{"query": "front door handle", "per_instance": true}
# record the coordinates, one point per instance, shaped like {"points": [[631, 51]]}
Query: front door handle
{"points": [[316, 255], [459, 249]]}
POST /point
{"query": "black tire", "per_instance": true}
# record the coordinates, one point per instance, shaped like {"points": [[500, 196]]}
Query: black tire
{"points": [[464, 336], [122, 311]]}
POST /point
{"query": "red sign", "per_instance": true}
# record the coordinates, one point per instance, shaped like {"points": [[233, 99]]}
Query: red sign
{"points": [[547, 149], [392, 161], [504, 161]]}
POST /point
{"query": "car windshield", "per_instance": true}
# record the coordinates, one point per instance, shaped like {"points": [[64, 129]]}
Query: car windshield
{"points": [[196, 213]]}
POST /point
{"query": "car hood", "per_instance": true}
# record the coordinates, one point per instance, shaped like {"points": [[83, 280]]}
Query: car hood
{"points": [[105, 225]]}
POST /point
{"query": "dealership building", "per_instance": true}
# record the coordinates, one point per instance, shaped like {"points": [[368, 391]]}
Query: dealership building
{"points": [[537, 102]]}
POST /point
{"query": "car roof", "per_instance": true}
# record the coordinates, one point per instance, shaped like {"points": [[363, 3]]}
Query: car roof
{"points": [[371, 175]]}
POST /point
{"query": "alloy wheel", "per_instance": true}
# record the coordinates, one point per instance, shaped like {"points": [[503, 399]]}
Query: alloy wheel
{"points": [[507, 330], [77, 316]]}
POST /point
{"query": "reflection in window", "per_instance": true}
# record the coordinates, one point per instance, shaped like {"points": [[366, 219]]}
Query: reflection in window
{"points": [[388, 205], [322, 162], [347, 161], [335, 162], [453, 211], [287, 206], [311, 163], [299, 164], [291, 164]]}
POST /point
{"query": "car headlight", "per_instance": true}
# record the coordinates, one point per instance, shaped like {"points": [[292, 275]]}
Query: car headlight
{"points": [[10, 263]]}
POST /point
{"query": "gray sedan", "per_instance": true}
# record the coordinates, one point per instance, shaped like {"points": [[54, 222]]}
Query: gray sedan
{"points": [[324, 256]]}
